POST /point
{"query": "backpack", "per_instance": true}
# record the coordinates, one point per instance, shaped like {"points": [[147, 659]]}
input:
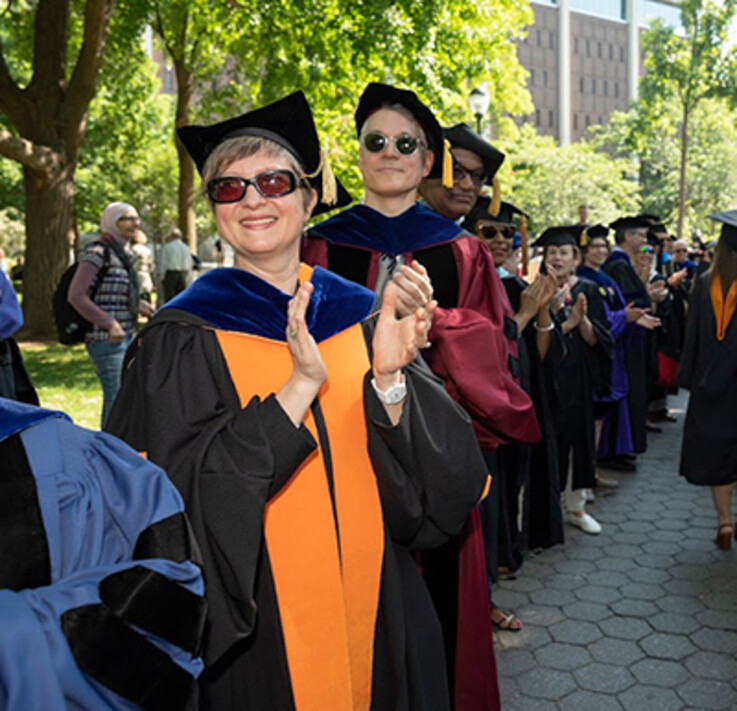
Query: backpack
{"points": [[71, 327]]}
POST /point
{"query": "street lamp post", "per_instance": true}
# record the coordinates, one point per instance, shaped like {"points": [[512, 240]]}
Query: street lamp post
{"points": [[478, 102]]}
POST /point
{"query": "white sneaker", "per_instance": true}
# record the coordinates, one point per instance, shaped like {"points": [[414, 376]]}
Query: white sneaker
{"points": [[587, 523]]}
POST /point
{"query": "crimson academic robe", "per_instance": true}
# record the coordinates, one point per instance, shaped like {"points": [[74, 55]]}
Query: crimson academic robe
{"points": [[307, 533]]}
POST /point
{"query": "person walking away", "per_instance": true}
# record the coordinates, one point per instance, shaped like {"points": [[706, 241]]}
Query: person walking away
{"points": [[175, 265], [707, 370]]}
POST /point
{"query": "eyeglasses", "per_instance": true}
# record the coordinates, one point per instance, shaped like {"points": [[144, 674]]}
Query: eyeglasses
{"points": [[491, 231], [680, 249], [271, 184], [648, 250], [130, 218], [375, 142], [460, 172]]}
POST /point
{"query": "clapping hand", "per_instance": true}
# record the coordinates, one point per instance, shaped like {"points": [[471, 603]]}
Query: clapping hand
{"points": [[397, 338], [414, 288], [308, 365]]}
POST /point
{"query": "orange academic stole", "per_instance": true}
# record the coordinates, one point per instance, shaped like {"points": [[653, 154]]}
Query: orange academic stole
{"points": [[327, 586]]}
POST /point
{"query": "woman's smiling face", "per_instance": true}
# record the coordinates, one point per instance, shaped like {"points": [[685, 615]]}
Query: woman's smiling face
{"points": [[260, 228]]}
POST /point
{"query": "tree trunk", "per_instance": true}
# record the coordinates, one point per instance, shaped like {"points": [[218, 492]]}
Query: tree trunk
{"points": [[682, 176], [48, 205], [186, 165]]}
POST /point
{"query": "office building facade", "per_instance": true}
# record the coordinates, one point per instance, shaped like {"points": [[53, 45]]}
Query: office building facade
{"points": [[584, 60]]}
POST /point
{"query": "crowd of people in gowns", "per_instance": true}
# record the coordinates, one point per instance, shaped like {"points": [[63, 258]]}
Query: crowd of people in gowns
{"points": [[368, 421]]}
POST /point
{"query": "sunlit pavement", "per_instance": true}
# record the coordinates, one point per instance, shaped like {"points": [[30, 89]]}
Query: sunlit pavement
{"points": [[641, 617]]}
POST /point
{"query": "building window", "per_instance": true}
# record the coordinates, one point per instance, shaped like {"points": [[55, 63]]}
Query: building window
{"points": [[588, 121], [593, 85], [537, 37], [575, 122], [575, 45], [621, 54], [550, 118], [552, 41], [598, 50], [588, 48], [545, 78], [537, 117], [606, 88], [616, 89], [532, 77], [580, 85], [611, 52]]}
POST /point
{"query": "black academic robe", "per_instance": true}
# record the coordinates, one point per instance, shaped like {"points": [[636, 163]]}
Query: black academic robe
{"points": [[231, 461], [533, 468], [581, 372], [708, 370], [619, 268]]}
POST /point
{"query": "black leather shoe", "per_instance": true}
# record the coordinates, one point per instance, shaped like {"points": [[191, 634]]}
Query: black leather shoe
{"points": [[618, 465]]}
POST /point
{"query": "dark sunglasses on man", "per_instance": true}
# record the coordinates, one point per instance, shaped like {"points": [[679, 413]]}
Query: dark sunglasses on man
{"points": [[491, 231], [271, 184], [375, 142]]}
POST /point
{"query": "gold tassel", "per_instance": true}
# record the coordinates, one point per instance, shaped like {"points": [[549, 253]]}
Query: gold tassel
{"points": [[523, 244], [329, 184], [496, 197], [584, 241], [447, 165]]}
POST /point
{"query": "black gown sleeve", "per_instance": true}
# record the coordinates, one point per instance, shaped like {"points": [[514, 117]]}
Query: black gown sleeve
{"points": [[687, 363], [177, 403], [429, 467]]}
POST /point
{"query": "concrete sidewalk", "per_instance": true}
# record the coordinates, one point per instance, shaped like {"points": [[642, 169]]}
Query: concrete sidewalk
{"points": [[640, 618]]}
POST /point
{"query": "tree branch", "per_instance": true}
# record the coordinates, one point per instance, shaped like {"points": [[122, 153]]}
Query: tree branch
{"points": [[13, 102], [51, 27], [40, 159], [84, 77]]}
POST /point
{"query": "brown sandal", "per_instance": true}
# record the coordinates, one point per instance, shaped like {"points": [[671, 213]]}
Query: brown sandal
{"points": [[723, 539]]}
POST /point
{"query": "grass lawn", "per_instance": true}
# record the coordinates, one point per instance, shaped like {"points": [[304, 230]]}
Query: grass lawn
{"points": [[65, 380]]}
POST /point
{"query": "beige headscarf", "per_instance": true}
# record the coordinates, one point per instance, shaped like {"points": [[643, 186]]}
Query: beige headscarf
{"points": [[110, 216]]}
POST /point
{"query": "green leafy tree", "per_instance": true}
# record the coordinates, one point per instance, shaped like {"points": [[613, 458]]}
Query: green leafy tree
{"points": [[49, 64], [549, 181], [687, 69]]}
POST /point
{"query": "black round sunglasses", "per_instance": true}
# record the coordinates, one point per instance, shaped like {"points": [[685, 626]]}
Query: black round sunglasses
{"points": [[375, 142]]}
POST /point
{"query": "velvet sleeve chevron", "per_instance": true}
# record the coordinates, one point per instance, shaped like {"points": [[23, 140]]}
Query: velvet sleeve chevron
{"points": [[110, 612]]}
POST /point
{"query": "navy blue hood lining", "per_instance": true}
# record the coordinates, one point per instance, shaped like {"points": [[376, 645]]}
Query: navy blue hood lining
{"points": [[232, 299]]}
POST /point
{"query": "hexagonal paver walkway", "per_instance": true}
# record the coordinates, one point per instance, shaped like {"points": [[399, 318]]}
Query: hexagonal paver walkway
{"points": [[643, 616]]}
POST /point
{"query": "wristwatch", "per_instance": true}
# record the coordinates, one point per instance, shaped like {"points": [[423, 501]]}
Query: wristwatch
{"points": [[393, 395]]}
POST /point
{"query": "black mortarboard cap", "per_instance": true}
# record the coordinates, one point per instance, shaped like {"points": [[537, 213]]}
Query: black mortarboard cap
{"points": [[376, 95], [480, 211], [560, 236], [729, 226], [652, 219], [461, 136], [591, 232], [630, 222], [289, 123]]}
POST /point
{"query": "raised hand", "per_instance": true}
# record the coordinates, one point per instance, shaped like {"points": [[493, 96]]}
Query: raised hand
{"points": [[308, 365], [308, 369], [397, 340], [414, 288], [578, 310], [634, 313], [648, 322]]}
